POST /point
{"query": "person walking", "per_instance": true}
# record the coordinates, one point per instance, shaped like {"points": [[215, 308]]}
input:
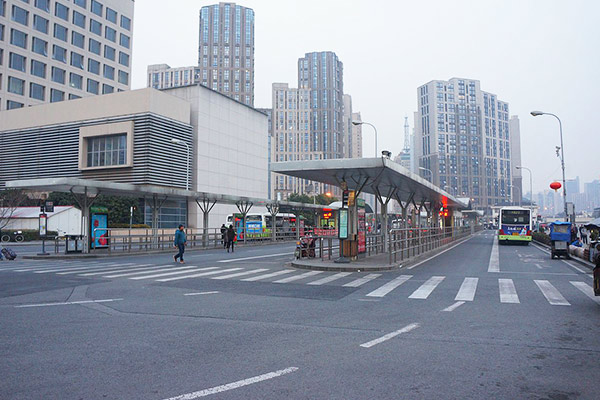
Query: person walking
{"points": [[180, 242], [224, 235], [230, 238], [583, 234]]}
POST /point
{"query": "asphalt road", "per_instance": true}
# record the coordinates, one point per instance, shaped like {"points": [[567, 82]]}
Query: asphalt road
{"points": [[476, 322]]}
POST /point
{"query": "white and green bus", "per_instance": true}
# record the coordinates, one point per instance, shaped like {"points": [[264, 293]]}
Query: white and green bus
{"points": [[514, 225]]}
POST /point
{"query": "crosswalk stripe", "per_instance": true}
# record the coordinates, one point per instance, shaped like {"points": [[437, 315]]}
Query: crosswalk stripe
{"points": [[298, 277], [235, 275], [161, 269], [508, 292], [267, 276], [361, 281], [586, 289], [134, 268], [427, 288], [80, 268], [175, 278], [467, 290], [388, 287], [330, 278], [40, 267], [186, 271], [551, 293]]}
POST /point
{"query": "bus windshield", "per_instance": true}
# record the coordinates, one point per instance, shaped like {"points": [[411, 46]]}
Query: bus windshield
{"points": [[515, 217]]}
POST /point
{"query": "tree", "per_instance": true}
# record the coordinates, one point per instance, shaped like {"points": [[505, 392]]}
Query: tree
{"points": [[10, 199]]}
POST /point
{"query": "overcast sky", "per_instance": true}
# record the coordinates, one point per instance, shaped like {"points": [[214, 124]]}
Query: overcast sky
{"points": [[536, 55]]}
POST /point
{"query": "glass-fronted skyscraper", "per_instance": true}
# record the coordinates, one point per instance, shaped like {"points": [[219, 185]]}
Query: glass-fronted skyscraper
{"points": [[56, 50], [463, 136], [226, 50]]}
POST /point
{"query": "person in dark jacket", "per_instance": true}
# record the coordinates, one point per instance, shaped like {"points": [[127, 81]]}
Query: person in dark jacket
{"points": [[224, 235], [180, 242], [230, 238]]}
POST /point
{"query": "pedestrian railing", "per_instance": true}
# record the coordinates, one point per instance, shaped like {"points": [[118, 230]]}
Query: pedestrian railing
{"points": [[412, 242]]}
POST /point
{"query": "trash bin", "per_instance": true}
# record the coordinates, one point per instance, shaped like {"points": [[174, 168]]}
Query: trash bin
{"points": [[73, 244]]}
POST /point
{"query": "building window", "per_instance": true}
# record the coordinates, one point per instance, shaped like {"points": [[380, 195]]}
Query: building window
{"points": [[79, 19], [81, 3], [110, 34], [11, 105], [124, 40], [109, 53], [109, 72], [92, 86], [56, 96], [125, 23], [17, 62], [36, 91], [123, 77], [77, 39], [61, 11], [38, 69], [76, 60], [111, 15], [43, 5], [95, 27], [20, 15], [93, 66], [2, 8], [94, 46], [73, 96], [60, 32], [58, 75], [124, 59], [59, 54], [40, 24], [18, 38], [96, 8], [75, 81], [16, 85], [107, 89], [39, 46], [103, 151]]}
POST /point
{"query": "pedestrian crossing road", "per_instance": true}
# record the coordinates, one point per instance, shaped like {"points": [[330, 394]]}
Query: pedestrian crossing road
{"points": [[378, 286]]}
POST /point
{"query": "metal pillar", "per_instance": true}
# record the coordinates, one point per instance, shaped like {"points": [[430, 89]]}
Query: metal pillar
{"points": [[244, 207], [206, 206], [384, 215], [84, 203], [155, 207], [273, 209]]}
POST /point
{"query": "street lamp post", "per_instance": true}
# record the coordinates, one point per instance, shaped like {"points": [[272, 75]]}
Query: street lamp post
{"points": [[512, 197], [376, 155], [430, 172], [562, 157], [187, 172], [530, 183]]}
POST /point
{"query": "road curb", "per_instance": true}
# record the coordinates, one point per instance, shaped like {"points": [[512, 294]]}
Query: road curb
{"points": [[339, 268], [573, 257]]}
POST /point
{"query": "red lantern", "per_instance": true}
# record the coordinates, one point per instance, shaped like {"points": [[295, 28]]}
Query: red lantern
{"points": [[555, 186]]}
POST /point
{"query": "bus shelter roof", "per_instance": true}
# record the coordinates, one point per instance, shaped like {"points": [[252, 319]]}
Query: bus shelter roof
{"points": [[371, 175], [93, 187]]}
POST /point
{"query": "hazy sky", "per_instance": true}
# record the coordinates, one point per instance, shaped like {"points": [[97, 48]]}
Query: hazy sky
{"points": [[536, 55]]}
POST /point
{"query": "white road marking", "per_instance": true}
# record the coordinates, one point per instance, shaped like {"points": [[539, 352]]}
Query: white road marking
{"points": [[551, 293], [298, 277], [78, 268], [256, 257], [162, 268], [454, 306], [328, 279], [388, 287], [361, 281], [200, 293], [267, 276], [175, 278], [234, 385], [467, 290], [187, 271], [539, 266], [67, 303], [565, 261], [586, 289], [389, 336], [494, 264], [94, 269], [427, 288], [136, 268], [254, 271], [440, 253], [508, 292]]}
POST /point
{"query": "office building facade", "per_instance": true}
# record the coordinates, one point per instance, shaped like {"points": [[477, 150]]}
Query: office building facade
{"points": [[56, 50], [162, 76], [226, 50], [463, 135]]}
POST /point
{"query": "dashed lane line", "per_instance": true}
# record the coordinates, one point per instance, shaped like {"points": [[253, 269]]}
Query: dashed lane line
{"points": [[454, 306], [389, 336], [66, 303]]}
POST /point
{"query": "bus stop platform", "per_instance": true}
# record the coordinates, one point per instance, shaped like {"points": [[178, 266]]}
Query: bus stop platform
{"points": [[379, 262]]}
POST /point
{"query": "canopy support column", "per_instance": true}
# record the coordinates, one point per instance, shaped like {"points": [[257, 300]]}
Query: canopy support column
{"points": [[244, 207], [206, 206], [273, 209], [384, 214], [85, 203]]}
